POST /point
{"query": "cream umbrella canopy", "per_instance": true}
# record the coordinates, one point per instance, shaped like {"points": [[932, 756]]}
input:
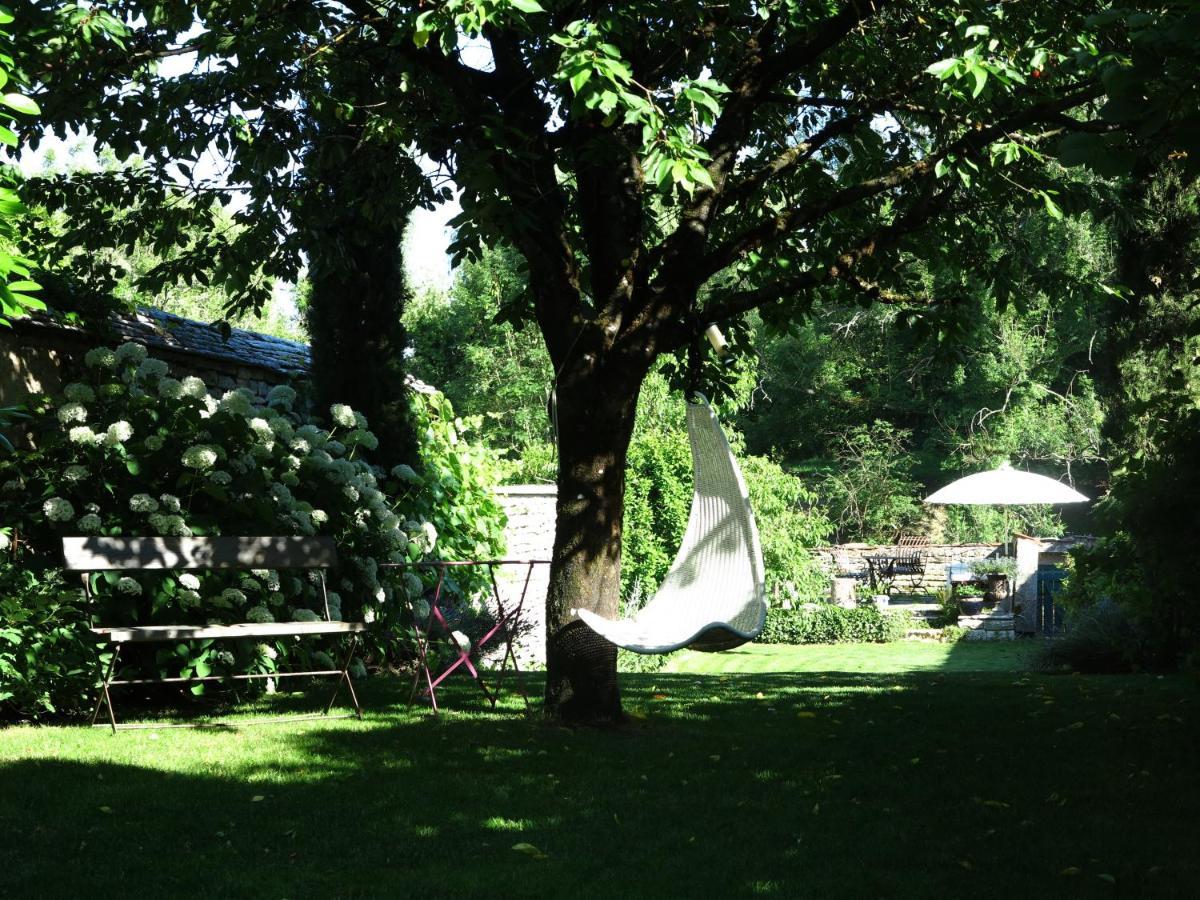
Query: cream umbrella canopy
{"points": [[1005, 486]]}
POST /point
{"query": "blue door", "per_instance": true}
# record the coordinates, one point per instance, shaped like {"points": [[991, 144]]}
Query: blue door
{"points": [[1049, 613]]}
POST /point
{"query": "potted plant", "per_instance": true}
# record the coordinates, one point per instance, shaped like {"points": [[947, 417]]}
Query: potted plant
{"points": [[970, 599], [996, 573]]}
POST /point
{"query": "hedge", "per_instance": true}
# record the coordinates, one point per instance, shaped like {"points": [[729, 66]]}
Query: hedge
{"points": [[828, 624]]}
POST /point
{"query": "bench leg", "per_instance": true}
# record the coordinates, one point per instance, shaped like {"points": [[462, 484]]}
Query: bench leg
{"points": [[345, 676], [105, 699]]}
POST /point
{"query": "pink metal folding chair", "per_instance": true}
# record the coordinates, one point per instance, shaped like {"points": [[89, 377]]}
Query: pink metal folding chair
{"points": [[506, 624]]}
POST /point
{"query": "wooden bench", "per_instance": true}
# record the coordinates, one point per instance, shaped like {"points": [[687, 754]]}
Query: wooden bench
{"points": [[87, 555]]}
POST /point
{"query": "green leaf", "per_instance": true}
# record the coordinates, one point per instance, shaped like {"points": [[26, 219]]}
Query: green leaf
{"points": [[20, 103], [580, 78], [980, 74], [1052, 208], [943, 69], [527, 6], [978, 31]]}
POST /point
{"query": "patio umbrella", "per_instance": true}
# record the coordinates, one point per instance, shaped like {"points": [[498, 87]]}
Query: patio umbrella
{"points": [[1005, 486]]}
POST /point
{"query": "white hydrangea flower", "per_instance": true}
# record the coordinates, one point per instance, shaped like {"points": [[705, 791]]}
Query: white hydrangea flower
{"points": [[343, 415], [320, 657], [430, 533], [404, 473], [127, 585], [100, 358], [75, 473], [210, 406], [118, 433], [413, 586], [281, 395], [225, 658], [305, 615], [151, 368], [337, 448], [357, 669], [175, 526], [72, 412], [88, 524], [364, 438], [130, 352], [201, 457], [220, 477], [170, 388], [194, 387], [464, 642], [189, 581], [319, 516], [275, 598], [170, 502], [238, 401], [5, 540], [300, 445], [11, 486], [189, 598], [268, 651], [262, 431], [91, 507], [58, 510], [143, 503], [259, 615], [155, 442], [234, 596], [111, 391], [290, 479], [79, 393], [351, 493], [158, 522], [281, 493]]}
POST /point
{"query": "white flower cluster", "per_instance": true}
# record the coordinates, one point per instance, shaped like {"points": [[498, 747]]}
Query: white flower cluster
{"points": [[143, 503], [89, 523], [151, 368], [281, 395], [58, 510], [194, 387], [342, 415], [305, 615], [170, 388], [170, 526], [189, 581], [127, 585], [170, 502], [259, 615], [201, 457], [79, 393], [75, 473], [130, 353], [72, 412], [118, 433], [81, 434], [100, 358]]}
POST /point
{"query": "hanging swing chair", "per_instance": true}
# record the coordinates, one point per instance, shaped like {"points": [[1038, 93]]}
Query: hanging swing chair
{"points": [[713, 598]]}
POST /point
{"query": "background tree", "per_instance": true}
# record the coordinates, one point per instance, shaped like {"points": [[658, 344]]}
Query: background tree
{"points": [[660, 166]]}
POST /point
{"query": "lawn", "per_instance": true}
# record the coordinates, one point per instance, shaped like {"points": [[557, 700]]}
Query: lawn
{"points": [[949, 774]]}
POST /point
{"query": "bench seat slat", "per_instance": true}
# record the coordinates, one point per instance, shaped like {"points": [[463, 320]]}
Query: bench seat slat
{"points": [[152, 633], [97, 553]]}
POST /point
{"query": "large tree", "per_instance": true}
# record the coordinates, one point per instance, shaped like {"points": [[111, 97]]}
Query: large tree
{"points": [[661, 166]]}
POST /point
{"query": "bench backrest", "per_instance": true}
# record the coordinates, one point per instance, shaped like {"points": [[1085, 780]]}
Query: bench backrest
{"points": [[97, 554]]}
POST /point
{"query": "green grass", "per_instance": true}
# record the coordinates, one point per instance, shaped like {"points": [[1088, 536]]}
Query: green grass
{"points": [[950, 775]]}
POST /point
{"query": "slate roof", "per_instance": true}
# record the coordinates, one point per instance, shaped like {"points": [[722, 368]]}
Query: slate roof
{"points": [[156, 328], [167, 331]]}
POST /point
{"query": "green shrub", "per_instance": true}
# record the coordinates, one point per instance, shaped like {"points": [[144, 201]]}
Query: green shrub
{"points": [[1101, 638], [828, 624], [131, 451]]}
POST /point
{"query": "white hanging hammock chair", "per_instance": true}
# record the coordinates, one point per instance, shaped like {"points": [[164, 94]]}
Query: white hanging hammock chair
{"points": [[713, 598]]}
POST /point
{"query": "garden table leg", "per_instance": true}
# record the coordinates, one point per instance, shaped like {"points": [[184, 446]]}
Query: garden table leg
{"points": [[423, 647]]}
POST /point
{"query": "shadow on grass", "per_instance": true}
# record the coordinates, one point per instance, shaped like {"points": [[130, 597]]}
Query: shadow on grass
{"points": [[830, 784]]}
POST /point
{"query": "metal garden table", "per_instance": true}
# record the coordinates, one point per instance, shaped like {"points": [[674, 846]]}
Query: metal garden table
{"points": [[507, 620]]}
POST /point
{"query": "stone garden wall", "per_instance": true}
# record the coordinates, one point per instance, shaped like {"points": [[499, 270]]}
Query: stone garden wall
{"points": [[528, 535], [850, 560]]}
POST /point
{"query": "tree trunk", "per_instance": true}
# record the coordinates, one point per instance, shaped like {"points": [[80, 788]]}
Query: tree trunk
{"points": [[596, 412]]}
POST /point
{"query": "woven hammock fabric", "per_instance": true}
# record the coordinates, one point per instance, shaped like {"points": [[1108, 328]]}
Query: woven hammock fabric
{"points": [[713, 598]]}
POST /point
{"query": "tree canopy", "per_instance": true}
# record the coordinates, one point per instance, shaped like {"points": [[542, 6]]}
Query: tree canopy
{"points": [[660, 166]]}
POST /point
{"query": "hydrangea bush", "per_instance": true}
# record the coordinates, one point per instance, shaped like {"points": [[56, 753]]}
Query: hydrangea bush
{"points": [[129, 450]]}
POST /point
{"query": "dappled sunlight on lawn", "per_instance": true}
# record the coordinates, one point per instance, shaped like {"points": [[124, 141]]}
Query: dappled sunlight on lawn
{"points": [[850, 784]]}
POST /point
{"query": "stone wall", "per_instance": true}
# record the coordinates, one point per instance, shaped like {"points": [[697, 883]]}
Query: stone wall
{"points": [[850, 559], [529, 535]]}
